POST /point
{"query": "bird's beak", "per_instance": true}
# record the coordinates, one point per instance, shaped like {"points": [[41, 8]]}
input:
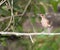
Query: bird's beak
{"points": [[40, 15]]}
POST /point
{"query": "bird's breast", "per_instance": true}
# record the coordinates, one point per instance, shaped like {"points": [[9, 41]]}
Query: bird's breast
{"points": [[45, 22]]}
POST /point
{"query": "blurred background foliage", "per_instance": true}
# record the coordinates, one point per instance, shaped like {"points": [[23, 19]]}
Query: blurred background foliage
{"points": [[41, 42], [23, 24], [31, 10]]}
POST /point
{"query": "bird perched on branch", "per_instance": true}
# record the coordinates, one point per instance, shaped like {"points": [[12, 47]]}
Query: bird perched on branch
{"points": [[45, 22]]}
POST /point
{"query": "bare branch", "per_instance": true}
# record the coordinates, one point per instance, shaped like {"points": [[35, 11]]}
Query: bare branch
{"points": [[26, 7], [27, 34], [12, 14], [9, 22], [2, 2], [3, 18]]}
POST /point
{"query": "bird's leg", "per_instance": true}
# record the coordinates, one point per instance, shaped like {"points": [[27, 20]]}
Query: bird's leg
{"points": [[48, 29]]}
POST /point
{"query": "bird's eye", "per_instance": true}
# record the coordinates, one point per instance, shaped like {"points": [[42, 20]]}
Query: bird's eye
{"points": [[42, 15]]}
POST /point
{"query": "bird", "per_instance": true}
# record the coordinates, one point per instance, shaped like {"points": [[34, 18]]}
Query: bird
{"points": [[45, 23]]}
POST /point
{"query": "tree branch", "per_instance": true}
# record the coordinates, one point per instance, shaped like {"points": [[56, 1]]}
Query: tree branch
{"points": [[2, 2], [27, 34]]}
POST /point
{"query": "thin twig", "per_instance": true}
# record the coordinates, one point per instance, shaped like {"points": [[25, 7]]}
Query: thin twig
{"points": [[45, 7], [51, 7], [2, 2], [12, 14], [20, 15], [26, 7], [7, 17], [31, 39], [8, 3], [9, 21], [3, 18], [24, 13], [33, 30], [8, 24]]}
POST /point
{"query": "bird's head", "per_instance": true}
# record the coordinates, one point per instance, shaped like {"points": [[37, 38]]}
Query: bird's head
{"points": [[41, 15]]}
